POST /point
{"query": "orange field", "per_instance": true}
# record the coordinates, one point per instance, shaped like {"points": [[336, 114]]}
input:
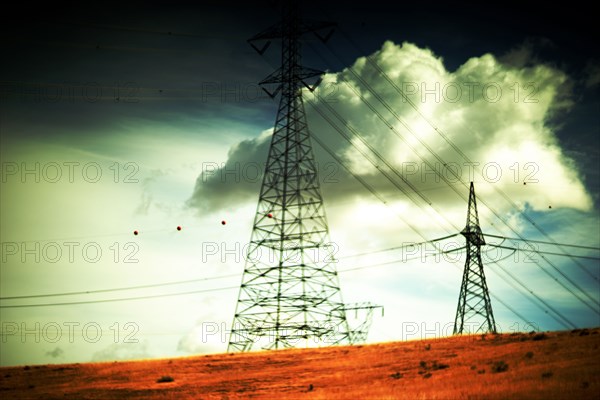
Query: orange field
{"points": [[554, 365]]}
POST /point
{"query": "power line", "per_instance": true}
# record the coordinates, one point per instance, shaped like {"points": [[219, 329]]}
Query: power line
{"points": [[564, 320], [138, 30], [403, 260], [544, 252], [193, 280], [119, 289], [378, 167], [366, 143], [562, 317], [100, 47], [176, 283], [518, 314], [119, 299], [228, 288], [366, 185], [543, 242], [400, 247]]}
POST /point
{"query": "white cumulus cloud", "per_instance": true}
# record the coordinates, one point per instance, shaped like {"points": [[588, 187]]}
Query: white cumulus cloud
{"points": [[487, 121]]}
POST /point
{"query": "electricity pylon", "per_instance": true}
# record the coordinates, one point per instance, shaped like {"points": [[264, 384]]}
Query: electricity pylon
{"points": [[359, 333], [474, 305], [290, 291]]}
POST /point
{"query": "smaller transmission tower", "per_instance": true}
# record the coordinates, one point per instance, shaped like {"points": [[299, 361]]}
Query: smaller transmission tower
{"points": [[359, 333], [474, 305]]}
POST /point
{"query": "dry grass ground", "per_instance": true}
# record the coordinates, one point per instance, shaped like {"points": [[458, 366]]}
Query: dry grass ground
{"points": [[557, 365]]}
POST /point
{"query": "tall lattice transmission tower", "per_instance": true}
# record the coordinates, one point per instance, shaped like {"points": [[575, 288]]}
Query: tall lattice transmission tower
{"points": [[290, 293], [474, 305]]}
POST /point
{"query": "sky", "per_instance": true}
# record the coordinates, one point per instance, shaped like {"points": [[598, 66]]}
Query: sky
{"points": [[149, 117]]}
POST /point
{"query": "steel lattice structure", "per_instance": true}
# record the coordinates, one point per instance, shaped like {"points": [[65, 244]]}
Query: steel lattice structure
{"points": [[290, 292], [474, 305], [358, 334]]}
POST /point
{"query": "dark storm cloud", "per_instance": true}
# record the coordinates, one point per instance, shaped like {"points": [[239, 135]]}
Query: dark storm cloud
{"points": [[81, 69], [91, 66]]}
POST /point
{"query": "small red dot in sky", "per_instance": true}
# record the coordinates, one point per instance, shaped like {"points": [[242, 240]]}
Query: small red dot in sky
{"points": [[270, 215], [223, 222], [135, 232], [179, 228]]}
